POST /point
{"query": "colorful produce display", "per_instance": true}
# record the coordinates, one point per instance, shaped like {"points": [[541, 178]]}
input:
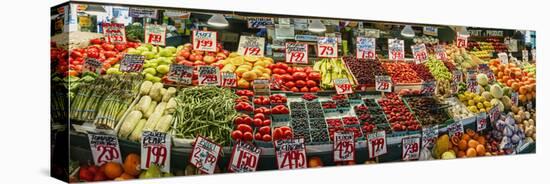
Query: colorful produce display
{"points": [[331, 69], [296, 79], [401, 72], [399, 116], [512, 76], [364, 70]]}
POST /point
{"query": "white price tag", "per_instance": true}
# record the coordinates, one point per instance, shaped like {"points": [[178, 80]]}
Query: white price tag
{"points": [[114, 33], [429, 136], [525, 55], [481, 121], [429, 30], [366, 48], [419, 52], [155, 149], [209, 75], [503, 57], [92, 65], [181, 74], [376, 144], [251, 46], [383, 83], [534, 54], [244, 157], [456, 129], [472, 86], [440, 53], [327, 47], [396, 49], [343, 146], [132, 63], [155, 34], [105, 148], [461, 40], [427, 88], [290, 153], [343, 86], [229, 79], [205, 40], [205, 155], [296, 52], [410, 147], [494, 114]]}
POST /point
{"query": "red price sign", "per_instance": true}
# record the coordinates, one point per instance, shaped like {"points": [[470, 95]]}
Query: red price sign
{"points": [[290, 153], [155, 149], [205, 155], [244, 158], [461, 41], [343, 86], [419, 52], [456, 129], [481, 121], [327, 47], [366, 48], [494, 114], [383, 83], [209, 75], [296, 52], [92, 65], [429, 136], [428, 88], [396, 49], [376, 144], [181, 74], [104, 148], [114, 33], [343, 146], [132, 63], [251, 46], [229, 79], [155, 34], [440, 53], [205, 40], [410, 148]]}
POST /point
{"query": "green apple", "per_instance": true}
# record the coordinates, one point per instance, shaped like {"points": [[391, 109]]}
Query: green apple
{"points": [[148, 54], [151, 71], [172, 49], [163, 69]]}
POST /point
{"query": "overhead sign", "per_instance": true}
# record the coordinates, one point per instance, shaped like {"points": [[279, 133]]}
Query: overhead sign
{"points": [[259, 22]]}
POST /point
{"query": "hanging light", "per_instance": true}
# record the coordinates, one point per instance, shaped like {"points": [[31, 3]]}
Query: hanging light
{"points": [[218, 20], [316, 26], [463, 31], [407, 31], [95, 10]]}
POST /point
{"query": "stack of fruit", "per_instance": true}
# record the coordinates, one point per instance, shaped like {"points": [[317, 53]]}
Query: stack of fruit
{"points": [[247, 68], [470, 144], [401, 73], [475, 103], [295, 79], [461, 58], [157, 60], [106, 53], [331, 69], [186, 55], [399, 116], [512, 76]]}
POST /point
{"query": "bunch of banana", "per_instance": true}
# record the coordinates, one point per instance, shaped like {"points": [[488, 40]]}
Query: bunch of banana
{"points": [[330, 69]]}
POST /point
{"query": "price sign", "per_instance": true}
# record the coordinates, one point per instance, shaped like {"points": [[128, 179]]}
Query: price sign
{"points": [[342, 86], [503, 57], [290, 153], [383, 83], [429, 136], [457, 76], [229, 79], [431, 31], [481, 121], [92, 65], [343, 146], [454, 88], [419, 52], [525, 55], [104, 148], [461, 41], [494, 114], [410, 148], [440, 53], [244, 158], [515, 98], [155, 149], [182, 74], [205, 155], [471, 74], [456, 129], [296, 52], [534, 54], [205, 40], [132, 63], [376, 144], [251, 46], [427, 88], [209, 75], [472, 86], [366, 48], [114, 33], [259, 22], [155, 34], [396, 49], [327, 47]]}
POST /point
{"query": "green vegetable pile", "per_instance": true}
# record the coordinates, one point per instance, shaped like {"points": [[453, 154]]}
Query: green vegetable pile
{"points": [[135, 32], [438, 69], [206, 111]]}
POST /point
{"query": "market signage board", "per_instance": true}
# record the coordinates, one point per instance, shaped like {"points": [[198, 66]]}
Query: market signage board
{"points": [[259, 22], [180, 73], [396, 49], [429, 136], [503, 57], [290, 154], [296, 52], [410, 147], [205, 40], [343, 86], [461, 40], [132, 63], [251, 46], [142, 13], [114, 33], [370, 33], [155, 34], [105, 148], [383, 83], [376, 144], [244, 158], [455, 129], [419, 52], [209, 75], [430, 31], [481, 121], [343, 147], [92, 65], [155, 149], [229, 79], [205, 155], [440, 53], [327, 47], [366, 48]]}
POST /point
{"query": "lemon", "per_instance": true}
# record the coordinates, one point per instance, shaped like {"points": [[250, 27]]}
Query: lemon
{"points": [[237, 61], [487, 104], [471, 103], [461, 97], [482, 110], [480, 105]]}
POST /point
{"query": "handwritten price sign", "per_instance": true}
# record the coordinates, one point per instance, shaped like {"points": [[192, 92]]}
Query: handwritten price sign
{"points": [[503, 57], [456, 129], [515, 98], [182, 74], [383, 83], [440, 53], [472, 86], [396, 49], [410, 148], [419, 52], [132, 63], [229, 79], [296, 52], [366, 48], [376, 144], [290, 153], [205, 40], [209, 75], [104, 148], [429, 135], [205, 155], [155, 149], [155, 34], [427, 88], [342, 86], [114, 33], [244, 158], [481, 121], [461, 40], [251, 46], [92, 65], [494, 114], [327, 47], [343, 146]]}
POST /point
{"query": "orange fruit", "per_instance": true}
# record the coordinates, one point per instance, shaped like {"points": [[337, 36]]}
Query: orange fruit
{"points": [[455, 140], [113, 170], [466, 137], [471, 152], [480, 149], [132, 164], [481, 140], [455, 149], [126, 176], [315, 162], [470, 132], [463, 145], [473, 143], [461, 154]]}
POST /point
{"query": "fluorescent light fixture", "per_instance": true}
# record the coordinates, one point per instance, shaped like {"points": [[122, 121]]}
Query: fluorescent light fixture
{"points": [[95, 10], [218, 20], [316, 26], [407, 31]]}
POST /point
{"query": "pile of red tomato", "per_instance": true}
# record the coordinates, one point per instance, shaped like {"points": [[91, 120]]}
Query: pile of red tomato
{"points": [[295, 79]]}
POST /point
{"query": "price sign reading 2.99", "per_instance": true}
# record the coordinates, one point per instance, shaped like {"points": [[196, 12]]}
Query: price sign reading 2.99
{"points": [[343, 86], [205, 155], [411, 148], [205, 40], [155, 34], [376, 144], [290, 154], [366, 48], [343, 146], [396, 49], [104, 148], [244, 158], [327, 47], [296, 52], [155, 149], [251, 46]]}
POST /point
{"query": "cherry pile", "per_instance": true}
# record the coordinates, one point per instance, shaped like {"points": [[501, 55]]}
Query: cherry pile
{"points": [[399, 116]]}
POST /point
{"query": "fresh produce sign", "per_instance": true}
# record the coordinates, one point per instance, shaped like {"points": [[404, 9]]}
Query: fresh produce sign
{"points": [[427, 88], [503, 57], [343, 86], [180, 73], [410, 148], [343, 146], [296, 52], [114, 33], [205, 155], [327, 47], [155, 149], [205, 40], [456, 129], [132, 63], [229, 79], [209, 75], [251, 46], [104, 148], [366, 48], [290, 153], [396, 49], [244, 158], [383, 83], [481, 121], [92, 65], [461, 40], [376, 144], [429, 135], [440, 53], [155, 34], [419, 52]]}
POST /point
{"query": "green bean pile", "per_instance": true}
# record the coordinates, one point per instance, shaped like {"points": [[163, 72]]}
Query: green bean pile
{"points": [[205, 111]]}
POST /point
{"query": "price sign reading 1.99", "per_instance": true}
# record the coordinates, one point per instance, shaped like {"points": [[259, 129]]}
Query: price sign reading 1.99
{"points": [[104, 148], [244, 158], [440, 53], [343, 146], [251, 46], [419, 52], [155, 149], [327, 47], [296, 52], [396, 49], [229, 79], [114, 33], [205, 155], [383, 83], [155, 34], [410, 148], [205, 40], [376, 144], [343, 86], [366, 48], [290, 154]]}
